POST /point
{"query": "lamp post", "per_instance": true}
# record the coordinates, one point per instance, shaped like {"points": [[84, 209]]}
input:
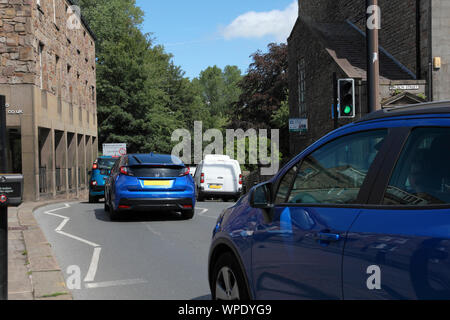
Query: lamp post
{"points": [[373, 13], [3, 206]]}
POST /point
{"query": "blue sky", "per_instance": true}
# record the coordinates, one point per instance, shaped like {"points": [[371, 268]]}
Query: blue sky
{"points": [[204, 33]]}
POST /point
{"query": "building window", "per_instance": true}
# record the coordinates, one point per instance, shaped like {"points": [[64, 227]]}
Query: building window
{"points": [[302, 86], [41, 65]]}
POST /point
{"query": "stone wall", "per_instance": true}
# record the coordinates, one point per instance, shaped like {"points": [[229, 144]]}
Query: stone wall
{"points": [[17, 61], [398, 23], [68, 55]]}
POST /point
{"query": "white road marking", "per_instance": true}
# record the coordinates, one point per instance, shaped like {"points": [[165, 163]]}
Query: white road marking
{"points": [[96, 255], [114, 283], [94, 265], [203, 211], [152, 230]]}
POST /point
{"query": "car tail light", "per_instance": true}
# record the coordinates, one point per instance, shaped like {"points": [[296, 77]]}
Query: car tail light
{"points": [[95, 166], [186, 171], [124, 207], [202, 178], [240, 179], [187, 206], [93, 183], [125, 171]]}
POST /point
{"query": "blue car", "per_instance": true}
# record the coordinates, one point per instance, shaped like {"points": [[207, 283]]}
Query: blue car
{"points": [[150, 182], [363, 213], [100, 171]]}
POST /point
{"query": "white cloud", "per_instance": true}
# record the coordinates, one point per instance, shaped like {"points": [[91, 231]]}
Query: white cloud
{"points": [[276, 23]]}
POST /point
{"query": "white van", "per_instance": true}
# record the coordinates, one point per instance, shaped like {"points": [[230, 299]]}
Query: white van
{"points": [[218, 176]]}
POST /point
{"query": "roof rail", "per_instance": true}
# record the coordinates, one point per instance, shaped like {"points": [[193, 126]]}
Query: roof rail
{"points": [[437, 107]]}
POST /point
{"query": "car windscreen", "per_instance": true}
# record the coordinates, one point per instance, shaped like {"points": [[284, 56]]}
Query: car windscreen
{"points": [[106, 163], [156, 171]]}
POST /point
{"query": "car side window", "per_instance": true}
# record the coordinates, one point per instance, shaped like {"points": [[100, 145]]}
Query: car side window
{"points": [[333, 174], [422, 173]]}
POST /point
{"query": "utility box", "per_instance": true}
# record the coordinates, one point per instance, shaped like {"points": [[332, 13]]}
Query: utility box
{"points": [[11, 190]]}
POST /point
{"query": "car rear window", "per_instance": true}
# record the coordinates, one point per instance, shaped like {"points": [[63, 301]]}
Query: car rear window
{"points": [[156, 172], [106, 163]]}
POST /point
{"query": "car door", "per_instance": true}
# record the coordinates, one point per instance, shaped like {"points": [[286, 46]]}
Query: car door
{"points": [[399, 247], [297, 249]]}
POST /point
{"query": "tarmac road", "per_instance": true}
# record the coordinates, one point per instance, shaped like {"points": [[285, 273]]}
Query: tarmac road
{"points": [[145, 256]]}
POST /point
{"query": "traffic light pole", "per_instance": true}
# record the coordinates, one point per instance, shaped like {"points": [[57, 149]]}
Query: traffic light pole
{"points": [[3, 207], [373, 56]]}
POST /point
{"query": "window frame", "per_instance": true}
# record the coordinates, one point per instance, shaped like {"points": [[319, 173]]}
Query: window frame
{"points": [[367, 186]]}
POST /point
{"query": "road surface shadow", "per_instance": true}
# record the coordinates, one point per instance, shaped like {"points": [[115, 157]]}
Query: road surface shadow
{"points": [[139, 216]]}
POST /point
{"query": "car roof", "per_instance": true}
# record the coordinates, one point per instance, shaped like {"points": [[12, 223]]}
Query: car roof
{"points": [[153, 158], [440, 107]]}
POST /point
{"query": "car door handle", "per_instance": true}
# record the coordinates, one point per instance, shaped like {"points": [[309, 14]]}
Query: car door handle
{"points": [[327, 237]]}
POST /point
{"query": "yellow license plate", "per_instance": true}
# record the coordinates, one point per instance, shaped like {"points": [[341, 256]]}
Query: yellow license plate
{"points": [[213, 186], [163, 183]]}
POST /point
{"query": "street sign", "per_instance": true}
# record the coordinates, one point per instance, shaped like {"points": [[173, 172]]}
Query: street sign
{"points": [[11, 189], [298, 125], [114, 149]]}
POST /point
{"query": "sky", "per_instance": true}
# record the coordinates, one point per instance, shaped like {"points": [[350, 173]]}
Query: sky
{"points": [[203, 33]]}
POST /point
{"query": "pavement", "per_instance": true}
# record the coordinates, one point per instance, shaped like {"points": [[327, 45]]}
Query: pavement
{"points": [[33, 272]]}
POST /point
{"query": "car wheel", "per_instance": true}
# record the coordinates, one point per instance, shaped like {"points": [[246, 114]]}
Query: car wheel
{"points": [[229, 283], [106, 205], [91, 199], [113, 214], [200, 198], [187, 214]]}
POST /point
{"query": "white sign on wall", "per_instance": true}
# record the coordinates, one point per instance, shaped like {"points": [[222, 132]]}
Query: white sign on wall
{"points": [[298, 125], [114, 149]]}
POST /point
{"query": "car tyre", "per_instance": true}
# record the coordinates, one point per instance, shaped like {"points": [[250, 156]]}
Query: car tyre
{"points": [[113, 214], [187, 214], [92, 199], [228, 280], [106, 206], [200, 197]]}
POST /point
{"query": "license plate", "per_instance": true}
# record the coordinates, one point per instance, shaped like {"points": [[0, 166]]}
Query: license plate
{"points": [[215, 186], [159, 183]]}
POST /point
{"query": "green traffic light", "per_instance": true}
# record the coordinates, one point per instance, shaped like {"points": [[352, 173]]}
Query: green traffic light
{"points": [[347, 109]]}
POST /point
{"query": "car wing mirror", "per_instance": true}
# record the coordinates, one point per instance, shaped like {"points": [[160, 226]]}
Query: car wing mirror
{"points": [[261, 198]]}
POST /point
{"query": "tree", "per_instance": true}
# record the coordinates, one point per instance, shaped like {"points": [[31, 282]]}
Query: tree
{"points": [[263, 101], [142, 97]]}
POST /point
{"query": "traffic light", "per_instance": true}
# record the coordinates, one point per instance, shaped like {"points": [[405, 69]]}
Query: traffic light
{"points": [[346, 96]]}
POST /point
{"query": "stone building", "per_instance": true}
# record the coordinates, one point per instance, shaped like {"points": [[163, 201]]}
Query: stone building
{"points": [[329, 37], [48, 75]]}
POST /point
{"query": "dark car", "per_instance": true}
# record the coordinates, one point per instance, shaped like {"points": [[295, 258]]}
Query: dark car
{"points": [[150, 182], [363, 213], [100, 171]]}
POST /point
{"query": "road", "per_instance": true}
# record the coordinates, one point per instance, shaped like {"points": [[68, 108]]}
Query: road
{"points": [[145, 256]]}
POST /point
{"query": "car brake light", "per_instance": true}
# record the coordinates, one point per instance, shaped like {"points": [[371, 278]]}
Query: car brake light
{"points": [[202, 178], [124, 170], [94, 183], [95, 166], [124, 207], [186, 171], [240, 179]]}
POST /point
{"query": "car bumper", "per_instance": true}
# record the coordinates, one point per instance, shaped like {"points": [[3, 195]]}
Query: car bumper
{"points": [[214, 193], [97, 190], [155, 204]]}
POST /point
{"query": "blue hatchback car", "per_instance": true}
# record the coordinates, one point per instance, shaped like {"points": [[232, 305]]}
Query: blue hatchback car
{"points": [[100, 171], [363, 213], [149, 182]]}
